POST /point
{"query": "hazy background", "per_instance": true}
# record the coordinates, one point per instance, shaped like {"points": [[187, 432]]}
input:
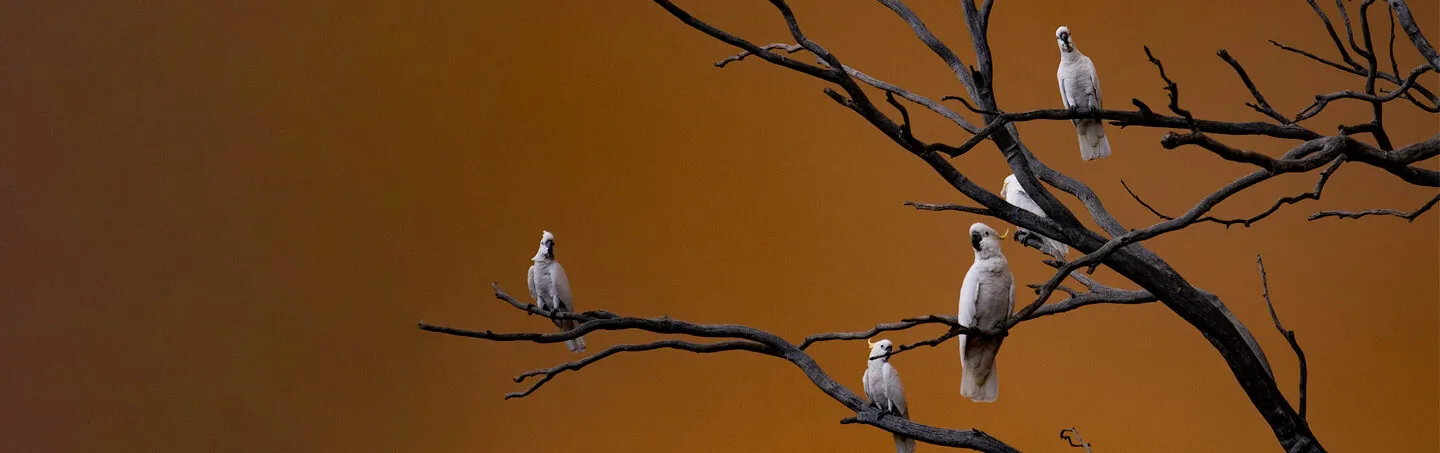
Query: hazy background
{"points": [[220, 222]]}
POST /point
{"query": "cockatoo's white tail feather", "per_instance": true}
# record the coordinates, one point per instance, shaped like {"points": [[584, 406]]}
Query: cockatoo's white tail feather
{"points": [[972, 386], [1058, 247], [1093, 142], [576, 345]]}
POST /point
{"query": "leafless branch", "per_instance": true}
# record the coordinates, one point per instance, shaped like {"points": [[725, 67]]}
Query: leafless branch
{"points": [[1314, 194], [1407, 23], [1288, 334], [950, 207], [1408, 216], [1260, 104], [788, 48], [1076, 441], [699, 348], [1174, 91]]}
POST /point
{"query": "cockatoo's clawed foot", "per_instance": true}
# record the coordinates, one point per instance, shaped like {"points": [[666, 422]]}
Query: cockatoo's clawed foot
{"points": [[1020, 236]]}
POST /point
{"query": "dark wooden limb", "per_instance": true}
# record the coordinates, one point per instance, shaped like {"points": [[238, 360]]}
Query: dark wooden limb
{"points": [[1288, 334], [1408, 216]]}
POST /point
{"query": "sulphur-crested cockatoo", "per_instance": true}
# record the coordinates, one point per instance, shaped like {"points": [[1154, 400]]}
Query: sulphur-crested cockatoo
{"points": [[882, 386], [986, 299], [1080, 89], [551, 289], [1016, 195]]}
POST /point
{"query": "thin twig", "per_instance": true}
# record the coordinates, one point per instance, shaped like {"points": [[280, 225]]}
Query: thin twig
{"points": [[788, 48], [1408, 216], [1288, 334], [1077, 441], [1260, 104]]}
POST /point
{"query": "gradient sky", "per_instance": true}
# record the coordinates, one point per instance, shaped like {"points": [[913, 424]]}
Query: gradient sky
{"points": [[220, 221]]}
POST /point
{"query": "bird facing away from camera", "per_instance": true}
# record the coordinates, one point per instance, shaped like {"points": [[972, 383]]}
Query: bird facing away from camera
{"points": [[1016, 195], [551, 289], [1080, 89], [882, 386], [986, 299]]}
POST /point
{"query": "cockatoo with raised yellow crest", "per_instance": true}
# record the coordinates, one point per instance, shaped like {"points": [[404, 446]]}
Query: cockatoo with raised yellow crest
{"points": [[882, 386], [551, 288], [986, 299], [1080, 89]]}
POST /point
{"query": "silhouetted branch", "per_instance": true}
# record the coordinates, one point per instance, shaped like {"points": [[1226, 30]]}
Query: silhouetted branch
{"points": [[950, 207], [788, 48], [1408, 216], [699, 348], [1288, 334], [1260, 104], [1407, 23], [1076, 441], [1174, 91]]}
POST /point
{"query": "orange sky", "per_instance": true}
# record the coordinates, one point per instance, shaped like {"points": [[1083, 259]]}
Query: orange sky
{"points": [[220, 222]]}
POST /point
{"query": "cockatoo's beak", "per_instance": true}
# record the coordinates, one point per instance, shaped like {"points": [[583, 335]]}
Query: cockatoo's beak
{"points": [[1006, 233]]}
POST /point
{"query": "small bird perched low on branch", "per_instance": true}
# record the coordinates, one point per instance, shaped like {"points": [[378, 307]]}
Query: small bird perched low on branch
{"points": [[1080, 89], [551, 289], [1016, 195], [987, 297], [882, 386]]}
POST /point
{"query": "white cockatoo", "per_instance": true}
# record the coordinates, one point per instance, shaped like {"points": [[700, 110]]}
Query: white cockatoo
{"points": [[986, 299], [1016, 195], [551, 289], [1080, 89], [882, 386]]}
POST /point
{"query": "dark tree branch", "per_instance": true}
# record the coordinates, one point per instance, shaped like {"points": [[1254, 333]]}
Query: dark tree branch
{"points": [[788, 48], [1407, 23], [1349, 32], [1246, 222], [950, 207], [1076, 441], [1324, 99], [1288, 334], [1433, 107], [1331, 30], [699, 348], [1260, 104], [1174, 91], [1408, 216]]}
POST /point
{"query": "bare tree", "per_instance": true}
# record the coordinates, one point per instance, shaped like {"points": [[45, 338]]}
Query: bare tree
{"points": [[1114, 246]]}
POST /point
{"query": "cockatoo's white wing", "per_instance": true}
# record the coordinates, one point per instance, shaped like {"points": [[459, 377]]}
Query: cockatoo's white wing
{"points": [[882, 385], [562, 287], [968, 291], [530, 281], [896, 392], [564, 304], [1064, 94], [1089, 69]]}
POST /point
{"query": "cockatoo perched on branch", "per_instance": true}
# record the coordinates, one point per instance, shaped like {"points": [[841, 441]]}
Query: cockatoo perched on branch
{"points": [[1016, 195], [882, 386], [1080, 89], [551, 289], [986, 299]]}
